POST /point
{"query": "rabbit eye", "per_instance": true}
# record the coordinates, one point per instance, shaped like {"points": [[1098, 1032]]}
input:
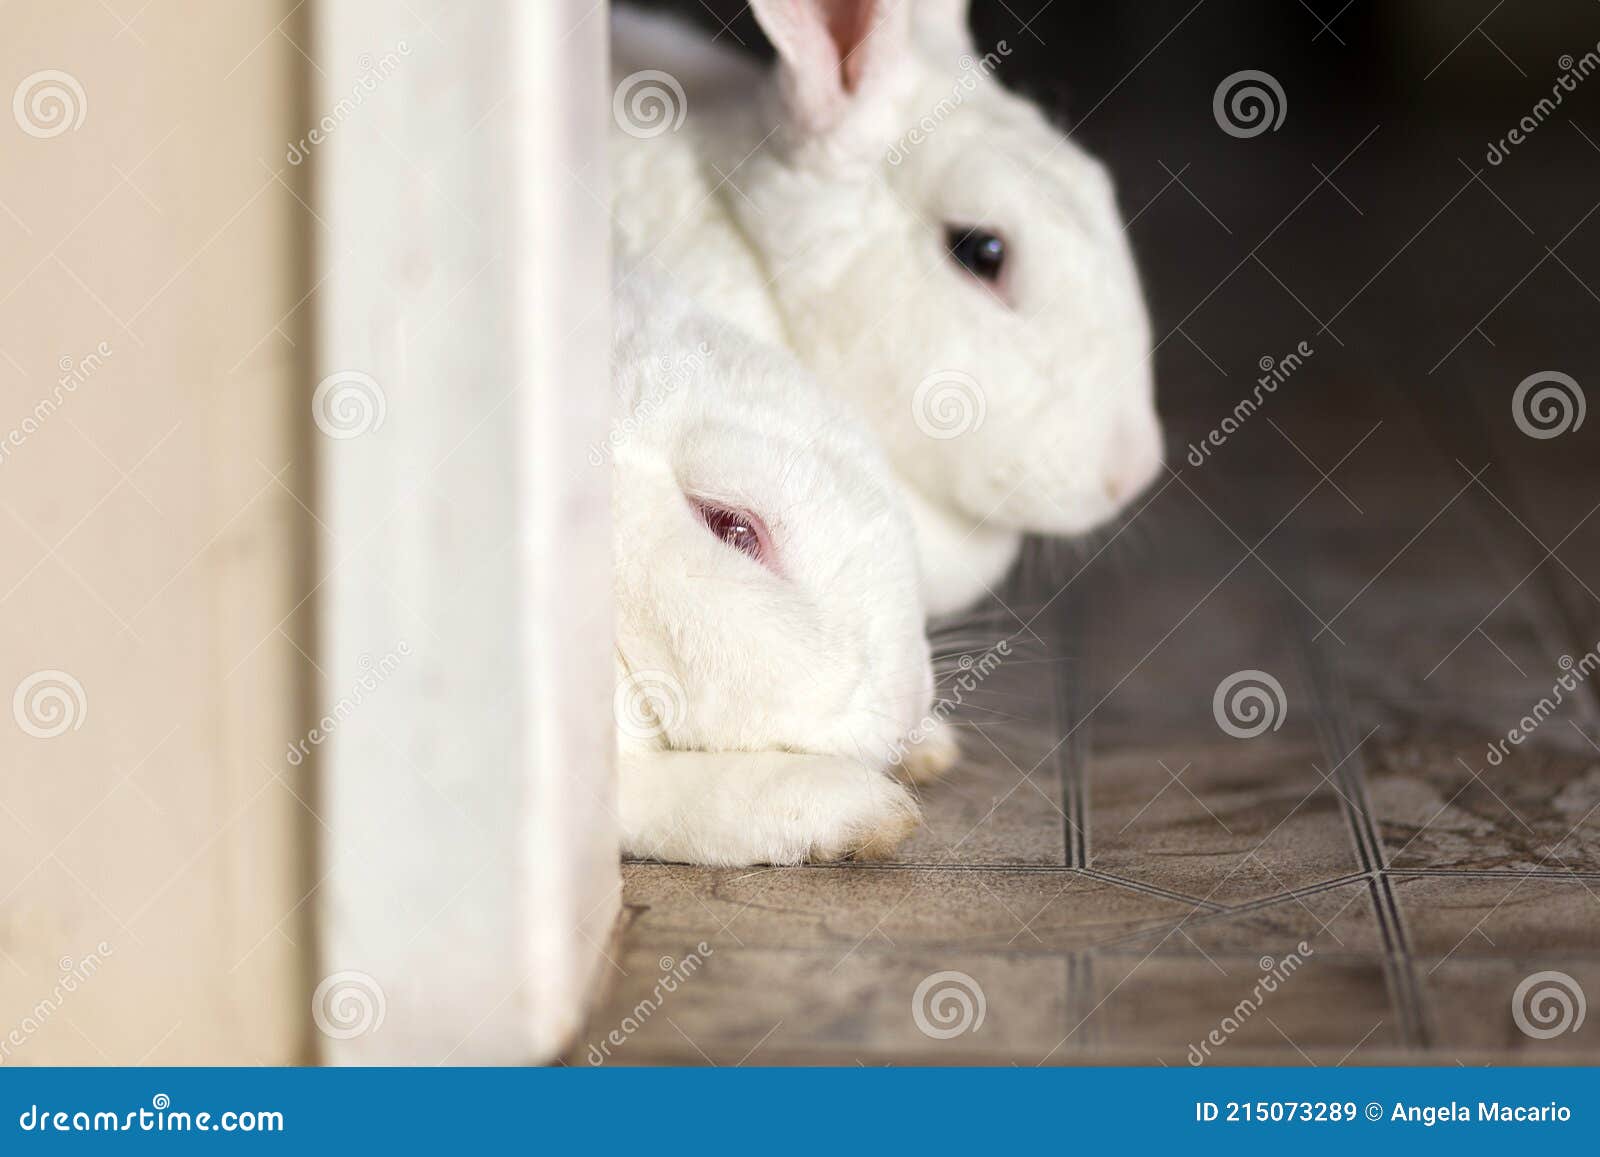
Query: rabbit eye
{"points": [[740, 529], [976, 250]]}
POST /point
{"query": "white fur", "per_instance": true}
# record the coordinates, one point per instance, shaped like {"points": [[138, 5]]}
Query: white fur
{"points": [[730, 809], [809, 236], [773, 704]]}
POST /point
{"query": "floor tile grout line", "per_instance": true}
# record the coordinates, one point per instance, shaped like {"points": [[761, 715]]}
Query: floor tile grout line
{"points": [[1072, 758], [1339, 745], [1493, 873], [1341, 749], [1222, 915], [1140, 885], [1080, 992], [1300, 893], [1151, 889], [1415, 1029], [1355, 802], [1330, 720], [899, 866], [997, 869], [1143, 886], [1122, 948], [875, 866]]}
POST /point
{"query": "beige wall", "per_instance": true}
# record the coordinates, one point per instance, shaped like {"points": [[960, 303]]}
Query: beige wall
{"points": [[155, 546]]}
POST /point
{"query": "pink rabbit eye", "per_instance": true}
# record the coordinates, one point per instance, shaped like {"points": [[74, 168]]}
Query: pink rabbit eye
{"points": [[978, 251], [740, 529]]}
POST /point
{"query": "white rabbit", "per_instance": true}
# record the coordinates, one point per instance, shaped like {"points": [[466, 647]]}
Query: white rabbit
{"points": [[926, 242], [769, 635]]}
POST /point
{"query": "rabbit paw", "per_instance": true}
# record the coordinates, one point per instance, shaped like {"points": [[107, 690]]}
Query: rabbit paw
{"points": [[935, 754], [732, 809], [863, 816]]}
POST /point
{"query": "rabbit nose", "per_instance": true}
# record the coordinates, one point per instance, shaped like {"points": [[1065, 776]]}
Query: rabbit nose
{"points": [[1129, 476], [1135, 461]]}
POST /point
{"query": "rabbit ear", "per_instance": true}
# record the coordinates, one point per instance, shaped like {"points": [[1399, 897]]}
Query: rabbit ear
{"points": [[829, 51], [942, 26]]}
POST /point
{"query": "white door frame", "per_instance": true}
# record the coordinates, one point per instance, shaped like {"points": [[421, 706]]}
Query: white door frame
{"points": [[469, 857]]}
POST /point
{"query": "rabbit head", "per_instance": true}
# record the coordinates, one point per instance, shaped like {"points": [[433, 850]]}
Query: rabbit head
{"points": [[766, 577], [944, 256]]}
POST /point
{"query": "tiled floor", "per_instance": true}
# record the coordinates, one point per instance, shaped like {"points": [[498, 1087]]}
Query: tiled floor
{"points": [[1116, 874]]}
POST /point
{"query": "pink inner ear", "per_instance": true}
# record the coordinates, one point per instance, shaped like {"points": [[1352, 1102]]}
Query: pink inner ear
{"points": [[849, 24], [829, 51]]}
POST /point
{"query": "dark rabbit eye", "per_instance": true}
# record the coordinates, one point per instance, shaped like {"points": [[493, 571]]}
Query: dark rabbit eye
{"points": [[978, 251], [740, 529]]}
